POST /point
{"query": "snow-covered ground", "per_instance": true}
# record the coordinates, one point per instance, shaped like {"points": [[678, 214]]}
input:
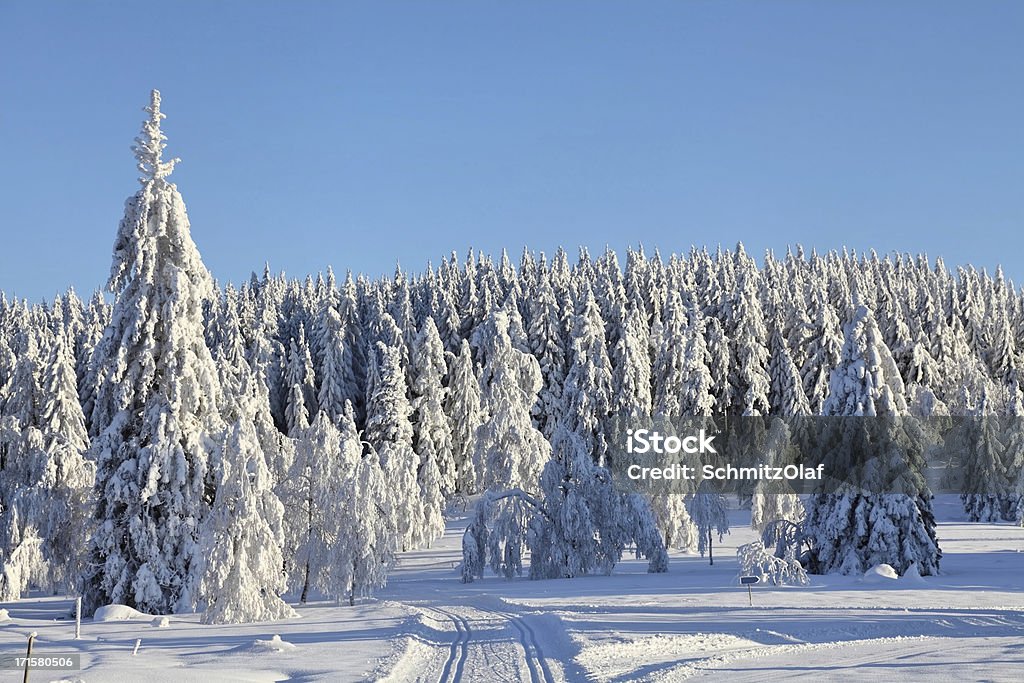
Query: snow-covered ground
{"points": [[967, 624]]}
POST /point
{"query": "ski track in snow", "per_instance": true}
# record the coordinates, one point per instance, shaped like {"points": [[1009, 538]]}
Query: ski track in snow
{"points": [[535, 660], [513, 656], [459, 651]]}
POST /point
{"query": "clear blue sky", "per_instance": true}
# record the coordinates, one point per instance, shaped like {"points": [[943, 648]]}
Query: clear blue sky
{"points": [[358, 134]]}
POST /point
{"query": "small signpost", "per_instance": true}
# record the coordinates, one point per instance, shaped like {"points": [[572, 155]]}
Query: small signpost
{"points": [[749, 581], [28, 654]]}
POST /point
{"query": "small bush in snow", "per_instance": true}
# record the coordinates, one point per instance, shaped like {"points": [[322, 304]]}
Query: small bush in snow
{"points": [[755, 560]]}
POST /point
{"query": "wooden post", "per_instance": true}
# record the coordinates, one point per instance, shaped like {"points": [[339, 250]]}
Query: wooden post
{"points": [[78, 617], [28, 654], [750, 595]]}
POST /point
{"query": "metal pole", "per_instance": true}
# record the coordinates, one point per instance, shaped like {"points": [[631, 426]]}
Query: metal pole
{"points": [[28, 655], [750, 595]]}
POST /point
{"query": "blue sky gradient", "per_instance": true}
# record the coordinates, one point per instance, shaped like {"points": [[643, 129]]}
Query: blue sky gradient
{"points": [[358, 134]]}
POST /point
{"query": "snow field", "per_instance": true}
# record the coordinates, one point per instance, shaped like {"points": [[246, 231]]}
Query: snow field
{"points": [[694, 621]]}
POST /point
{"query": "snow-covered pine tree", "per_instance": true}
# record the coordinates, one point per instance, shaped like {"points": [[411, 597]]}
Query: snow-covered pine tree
{"points": [[154, 419], [775, 500], [390, 433], [747, 334], [584, 524], [510, 451], [881, 510], [978, 439], [433, 430], [586, 407], [546, 335], [823, 353], [241, 538], [336, 381], [367, 539], [23, 462], [464, 409], [315, 476], [65, 483], [682, 390], [787, 395], [299, 377], [631, 383], [710, 514]]}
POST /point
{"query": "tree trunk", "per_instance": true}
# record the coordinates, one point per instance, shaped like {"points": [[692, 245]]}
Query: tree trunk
{"points": [[305, 586], [711, 553]]}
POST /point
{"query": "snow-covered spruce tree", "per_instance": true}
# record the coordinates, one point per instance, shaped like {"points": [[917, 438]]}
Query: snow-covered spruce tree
{"points": [[718, 362], [364, 549], [710, 514], [775, 500], [390, 433], [315, 475], [66, 480], [154, 418], [546, 335], [586, 407], [823, 353], [631, 383], [510, 451], [683, 385], [433, 430], [337, 382], [465, 410], [787, 395], [747, 333], [1012, 438], [244, 389], [241, 538], [299, 377], [978, 439], [880, 511], [22, 465], [668, 374]]}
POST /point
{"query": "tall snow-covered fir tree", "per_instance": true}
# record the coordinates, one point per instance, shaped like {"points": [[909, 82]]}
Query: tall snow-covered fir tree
{"points": [[155, 421], [464, 408], [510, 451], [880, 512], [390, 433]]}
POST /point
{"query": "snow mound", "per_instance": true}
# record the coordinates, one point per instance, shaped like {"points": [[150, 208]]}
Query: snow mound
{"points": [[912, 575], [880, 573], [4, 616], [119, 613], [275, 644], [160, 622]]}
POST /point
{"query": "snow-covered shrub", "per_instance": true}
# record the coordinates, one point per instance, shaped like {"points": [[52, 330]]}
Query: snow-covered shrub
{"points": [[785, 537], [755, 560]]}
